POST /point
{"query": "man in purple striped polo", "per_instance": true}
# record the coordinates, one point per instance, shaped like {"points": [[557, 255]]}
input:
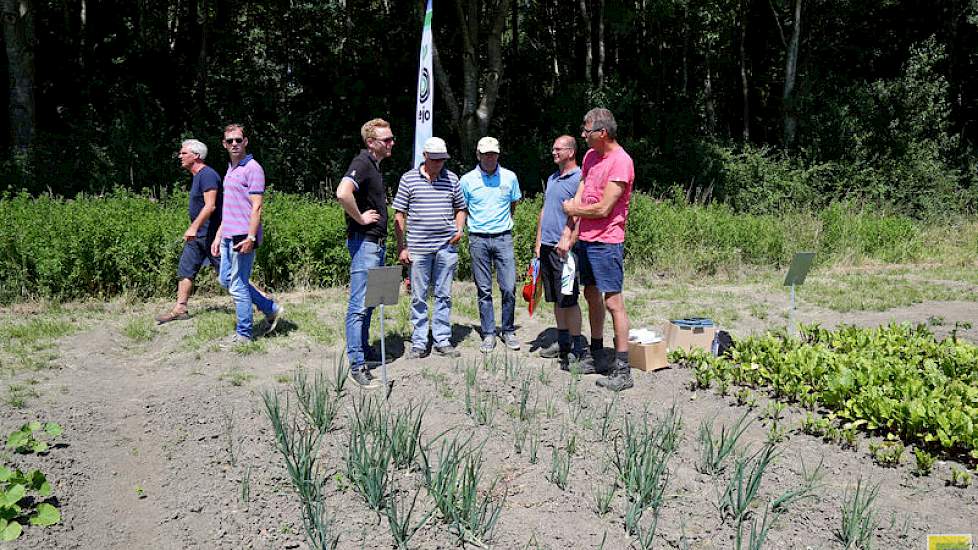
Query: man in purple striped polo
{"points": [[240, 234]]}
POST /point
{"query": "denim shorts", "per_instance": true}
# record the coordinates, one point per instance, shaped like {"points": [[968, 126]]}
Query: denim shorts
{"points": [[196, 253], [602, 265]]}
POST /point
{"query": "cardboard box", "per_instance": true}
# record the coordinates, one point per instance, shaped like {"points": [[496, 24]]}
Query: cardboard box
{"points": [[686, 337], [647, 357]]}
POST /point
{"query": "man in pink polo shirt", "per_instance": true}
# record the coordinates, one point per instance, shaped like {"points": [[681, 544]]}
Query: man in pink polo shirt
{"points": [[240, 234], [600, 208]]}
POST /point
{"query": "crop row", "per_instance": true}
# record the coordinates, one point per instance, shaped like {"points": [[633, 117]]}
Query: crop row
{"points": [[897, 380]]}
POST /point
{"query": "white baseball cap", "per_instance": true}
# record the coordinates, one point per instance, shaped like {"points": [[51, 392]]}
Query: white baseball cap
{"points": [[488, 145], [436, 148]]}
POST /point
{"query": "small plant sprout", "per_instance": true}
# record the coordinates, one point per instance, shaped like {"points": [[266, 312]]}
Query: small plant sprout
{"points": [[924, 462], [960, 478], [745, 483], [602, 495], [559, 468], [33, 437], [811, 483], [888, 454]]}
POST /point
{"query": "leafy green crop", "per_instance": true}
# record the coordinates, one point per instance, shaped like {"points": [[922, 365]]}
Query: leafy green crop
{"points": [[21, 500], [894, 380], [24, 440]]}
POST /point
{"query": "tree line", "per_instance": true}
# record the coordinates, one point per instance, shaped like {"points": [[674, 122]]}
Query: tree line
{"points": [[761, 104]]}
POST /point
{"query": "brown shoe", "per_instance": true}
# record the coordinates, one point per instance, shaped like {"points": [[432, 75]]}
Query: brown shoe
{"points": [[172, 316]]}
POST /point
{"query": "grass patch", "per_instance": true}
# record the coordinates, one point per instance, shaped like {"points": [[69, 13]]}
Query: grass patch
{"points": [[18, 394], [876, 292], [139, 329], [28, 344], [305, 317], [236, 377], [208, 327]]}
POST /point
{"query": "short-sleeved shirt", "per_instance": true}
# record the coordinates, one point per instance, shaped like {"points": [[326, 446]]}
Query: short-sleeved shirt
{"points": [[596, 172], [430, 207], [206, 179], [370, 194], [488, 198], [242, 180], [559, 189]]}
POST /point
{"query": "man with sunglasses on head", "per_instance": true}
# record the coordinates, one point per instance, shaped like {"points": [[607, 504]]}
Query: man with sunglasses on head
{"points": [[555, 240], [363, 197], [240, 234], [205, 216], [600, 210]]}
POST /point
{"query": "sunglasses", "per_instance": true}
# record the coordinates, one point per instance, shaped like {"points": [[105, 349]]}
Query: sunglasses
{"points": [[229, 141], [388, 140]]}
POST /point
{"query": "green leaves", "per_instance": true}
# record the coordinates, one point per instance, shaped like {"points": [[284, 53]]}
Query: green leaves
{"points": [[9, 530], [45, 515], [24, 440], [897, 378]]}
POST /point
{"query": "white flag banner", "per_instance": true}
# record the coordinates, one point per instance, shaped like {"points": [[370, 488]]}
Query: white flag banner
{"points": [[426, 91]]}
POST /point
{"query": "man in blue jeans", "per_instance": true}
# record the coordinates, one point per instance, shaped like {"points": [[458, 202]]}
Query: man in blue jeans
{"points": [[491, 193], [240, 234], [430, 211], [363, 196]]}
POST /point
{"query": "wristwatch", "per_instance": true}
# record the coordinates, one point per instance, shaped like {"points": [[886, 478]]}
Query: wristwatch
{"points": [[252, 238]]}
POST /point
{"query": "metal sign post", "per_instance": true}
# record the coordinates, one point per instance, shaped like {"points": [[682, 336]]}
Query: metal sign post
{"points": [[797, 271], [383, 288]]}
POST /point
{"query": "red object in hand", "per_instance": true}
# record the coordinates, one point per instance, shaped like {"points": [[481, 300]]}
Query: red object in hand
{"points": [[532, 289]]}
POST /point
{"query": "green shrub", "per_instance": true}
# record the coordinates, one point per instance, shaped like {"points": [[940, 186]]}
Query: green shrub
{"points": [[126, 243]]}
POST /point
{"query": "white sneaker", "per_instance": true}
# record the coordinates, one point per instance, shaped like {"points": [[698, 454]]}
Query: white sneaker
{"points": [[488, 344], [512, 342]]}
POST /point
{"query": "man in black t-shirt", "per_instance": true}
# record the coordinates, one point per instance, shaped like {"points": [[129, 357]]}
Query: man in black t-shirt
{"points": [[205, 218], [363, 196]]}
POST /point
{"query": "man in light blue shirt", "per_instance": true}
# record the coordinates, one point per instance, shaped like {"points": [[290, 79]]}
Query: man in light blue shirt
{"points": [[491, 193]]}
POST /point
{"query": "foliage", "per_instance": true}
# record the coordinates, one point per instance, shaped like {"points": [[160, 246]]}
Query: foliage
{"points": [[24, 498], [896, 379], [25, 439], [125, 243]]}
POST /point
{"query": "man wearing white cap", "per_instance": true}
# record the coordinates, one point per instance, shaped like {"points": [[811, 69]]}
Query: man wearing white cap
{"points": [[491, 193], [429, 209]]}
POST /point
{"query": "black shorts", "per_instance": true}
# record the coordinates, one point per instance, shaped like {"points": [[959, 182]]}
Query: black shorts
{"points": [[551, 268], [195, 254]]}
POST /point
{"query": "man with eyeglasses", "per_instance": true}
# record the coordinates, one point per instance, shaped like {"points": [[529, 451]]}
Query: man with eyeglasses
{"points": [[240, 234], [491, 193], [363, 197], [430, 211], [600, 209], [205, 217], [555, 240]]}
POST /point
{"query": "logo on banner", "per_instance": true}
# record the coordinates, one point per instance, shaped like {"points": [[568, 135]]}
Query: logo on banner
{"points": [[424, 113]]}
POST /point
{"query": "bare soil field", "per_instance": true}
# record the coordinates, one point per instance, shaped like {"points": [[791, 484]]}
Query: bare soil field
{"points": [[167, 443]]}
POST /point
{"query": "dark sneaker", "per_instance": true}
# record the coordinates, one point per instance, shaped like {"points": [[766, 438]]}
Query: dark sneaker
{"points": [[274, 318], [550, 352], [164, 318], [620, 379], [512, 342], [363, 379], [447, 350], [415, 353], [488, 343]]}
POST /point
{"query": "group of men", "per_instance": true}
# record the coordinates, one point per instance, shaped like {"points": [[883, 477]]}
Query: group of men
{"points": [[225, 229], [584, 213]]}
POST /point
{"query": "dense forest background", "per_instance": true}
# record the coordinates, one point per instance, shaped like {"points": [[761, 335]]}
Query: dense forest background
{"points": [[765, 105]]}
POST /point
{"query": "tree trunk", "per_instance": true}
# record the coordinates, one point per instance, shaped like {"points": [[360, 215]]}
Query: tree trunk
{"points": [[599, 72], [588, 43], [18, 35], [472, 120], [790, 75], [744, 86], [711, 116]]}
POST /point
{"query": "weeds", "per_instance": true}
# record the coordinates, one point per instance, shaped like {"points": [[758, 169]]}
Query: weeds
{"points": [[139, 330]]}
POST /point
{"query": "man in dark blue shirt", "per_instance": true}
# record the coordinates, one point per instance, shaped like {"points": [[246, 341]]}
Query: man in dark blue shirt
{"points": [[205, 218]]}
